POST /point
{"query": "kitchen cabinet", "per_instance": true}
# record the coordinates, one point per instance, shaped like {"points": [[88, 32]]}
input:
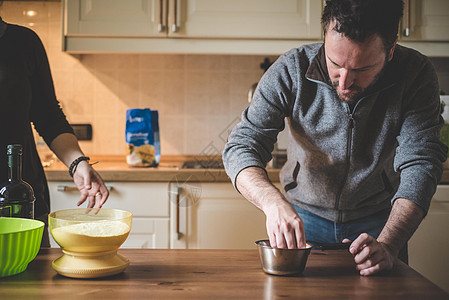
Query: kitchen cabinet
{"points": [[253, 19], [213, 216], [429, 246], [425, 20], [113, 18], [189, 26], [265, 19], [148, 202]]}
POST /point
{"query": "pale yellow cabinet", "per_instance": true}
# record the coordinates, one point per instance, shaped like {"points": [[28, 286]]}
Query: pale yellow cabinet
{"points": [[190, 26], [425, 20], [113, 18], [429, 246], [213, 216], [250, 19], [265, 19], [148, 202]]}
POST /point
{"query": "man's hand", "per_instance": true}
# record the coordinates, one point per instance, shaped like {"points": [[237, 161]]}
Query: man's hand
{"points": [[285, 228], [373, 256], [90, 185], [370, 255]]}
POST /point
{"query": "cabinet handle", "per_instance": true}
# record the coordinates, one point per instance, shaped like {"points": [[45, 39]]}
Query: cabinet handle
{"points": [[178, 199], [407, 18], [68, 188], [175, 27], [161, 26]]}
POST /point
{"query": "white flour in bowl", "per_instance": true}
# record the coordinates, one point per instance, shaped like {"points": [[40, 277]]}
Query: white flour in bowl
{"points": [[97, 229]]}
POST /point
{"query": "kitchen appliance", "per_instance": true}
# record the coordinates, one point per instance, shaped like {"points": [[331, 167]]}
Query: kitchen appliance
{"points": [[89, 239], [278, 261], [20, 240]]}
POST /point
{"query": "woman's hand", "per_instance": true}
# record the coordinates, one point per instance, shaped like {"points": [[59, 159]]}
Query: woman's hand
{"points": [[90, 185]]}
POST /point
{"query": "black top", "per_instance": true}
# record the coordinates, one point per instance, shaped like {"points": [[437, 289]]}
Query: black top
{"points": [[27, 95]]}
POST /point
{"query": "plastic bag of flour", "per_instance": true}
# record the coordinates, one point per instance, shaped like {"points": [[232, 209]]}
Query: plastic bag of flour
{"points": [[142, 136]]}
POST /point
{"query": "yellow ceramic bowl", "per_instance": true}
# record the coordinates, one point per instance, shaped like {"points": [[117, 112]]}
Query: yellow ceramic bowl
{"points": [[90, 230]]}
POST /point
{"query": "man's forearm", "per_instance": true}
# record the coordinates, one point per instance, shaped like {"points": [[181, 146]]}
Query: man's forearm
{"points": [[285, 228], [254, 185], [404, 219]]}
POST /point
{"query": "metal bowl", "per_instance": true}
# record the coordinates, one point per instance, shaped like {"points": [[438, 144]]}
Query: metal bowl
{"points": [[278, 261]]}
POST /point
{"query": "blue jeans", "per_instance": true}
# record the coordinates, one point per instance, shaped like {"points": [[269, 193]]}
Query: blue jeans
{"points": [[321, 230]]}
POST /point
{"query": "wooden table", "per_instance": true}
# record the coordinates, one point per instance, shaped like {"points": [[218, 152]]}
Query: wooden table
{"points": [[214, 274]]}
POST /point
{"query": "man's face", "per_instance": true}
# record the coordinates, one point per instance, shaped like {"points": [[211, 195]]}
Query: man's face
{"points": [[353, 66]]}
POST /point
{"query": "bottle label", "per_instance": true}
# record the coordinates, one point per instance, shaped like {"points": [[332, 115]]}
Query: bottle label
{"points": [[18, 211], [6, 211]]}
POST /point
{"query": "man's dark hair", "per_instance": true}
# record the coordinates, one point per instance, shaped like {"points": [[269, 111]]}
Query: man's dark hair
{"points": [[360, 19]]}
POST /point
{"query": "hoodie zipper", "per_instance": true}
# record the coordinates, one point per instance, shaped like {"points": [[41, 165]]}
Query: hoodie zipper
{"points": [[348, 158], [349, 143]]}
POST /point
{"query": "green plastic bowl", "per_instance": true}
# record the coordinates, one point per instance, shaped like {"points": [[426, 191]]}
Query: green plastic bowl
{"points": [[20, 240]]}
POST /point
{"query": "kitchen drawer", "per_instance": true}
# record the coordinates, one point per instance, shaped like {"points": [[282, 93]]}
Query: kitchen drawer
{"points": [[142, 199], [148, 233]]}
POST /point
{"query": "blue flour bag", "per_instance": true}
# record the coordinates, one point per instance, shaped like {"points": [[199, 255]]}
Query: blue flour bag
{"points": [[142, 136]]}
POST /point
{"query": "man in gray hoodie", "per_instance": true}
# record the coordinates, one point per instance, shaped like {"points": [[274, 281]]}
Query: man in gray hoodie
{"points": [[364, 155]]}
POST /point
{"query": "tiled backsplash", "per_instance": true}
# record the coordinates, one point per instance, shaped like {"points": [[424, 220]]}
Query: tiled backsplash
{"points": [[198, 96]]}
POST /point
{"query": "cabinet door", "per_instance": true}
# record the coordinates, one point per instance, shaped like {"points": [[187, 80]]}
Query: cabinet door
{"points": [[114, 18], [148, 233], [141, 198], [429, 246], [250, 19], [215, 216], [427, 20]]}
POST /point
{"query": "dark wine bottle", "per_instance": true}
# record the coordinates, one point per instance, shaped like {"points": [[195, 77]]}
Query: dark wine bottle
{"points": [[16, 196]]}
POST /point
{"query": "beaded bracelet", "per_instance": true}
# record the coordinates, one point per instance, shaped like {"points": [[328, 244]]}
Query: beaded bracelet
{"points": [[75, 163]]}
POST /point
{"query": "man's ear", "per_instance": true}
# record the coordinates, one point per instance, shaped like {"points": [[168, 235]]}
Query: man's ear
{"points": [[390, 55]]}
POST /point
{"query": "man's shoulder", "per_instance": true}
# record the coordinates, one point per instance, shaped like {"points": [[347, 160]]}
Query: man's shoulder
{"points": [[410, 56], [308, 50], [300, 57]]}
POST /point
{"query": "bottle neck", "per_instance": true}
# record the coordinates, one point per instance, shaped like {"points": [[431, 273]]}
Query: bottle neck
{"points": [[15, 167]]}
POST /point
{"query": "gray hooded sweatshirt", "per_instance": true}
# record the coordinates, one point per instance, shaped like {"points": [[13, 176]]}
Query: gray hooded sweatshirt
{"points": [[345, 163]]}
